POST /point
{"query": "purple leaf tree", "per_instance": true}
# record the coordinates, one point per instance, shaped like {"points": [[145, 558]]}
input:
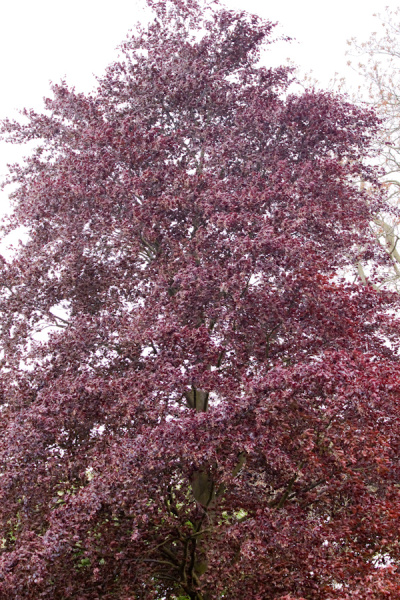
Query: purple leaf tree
{"points": [[196, 403]]}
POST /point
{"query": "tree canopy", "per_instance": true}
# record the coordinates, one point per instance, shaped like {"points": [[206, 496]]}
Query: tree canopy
{"points": [[197, 402]]}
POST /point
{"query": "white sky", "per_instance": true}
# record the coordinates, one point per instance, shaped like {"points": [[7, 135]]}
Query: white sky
{"points": [[43, 40]]}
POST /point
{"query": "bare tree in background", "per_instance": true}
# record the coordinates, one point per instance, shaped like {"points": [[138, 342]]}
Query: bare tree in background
{"points": [[378, 62]]}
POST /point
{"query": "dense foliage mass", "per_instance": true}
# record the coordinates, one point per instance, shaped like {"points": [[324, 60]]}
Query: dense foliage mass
{"points": [[211, 409]]}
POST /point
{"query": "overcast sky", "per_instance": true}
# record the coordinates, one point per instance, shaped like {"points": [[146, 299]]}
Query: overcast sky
{"points": [[43, 40]]}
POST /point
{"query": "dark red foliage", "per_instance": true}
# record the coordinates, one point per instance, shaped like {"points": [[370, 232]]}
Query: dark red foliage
{"points": [[211, 410]]}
